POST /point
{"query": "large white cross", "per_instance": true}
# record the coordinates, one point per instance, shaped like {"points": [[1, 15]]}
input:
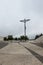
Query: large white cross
{"points": [[25, 20]]}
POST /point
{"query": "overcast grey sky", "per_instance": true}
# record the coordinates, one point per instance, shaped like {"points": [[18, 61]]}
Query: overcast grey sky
{"points": [[12, 11]]}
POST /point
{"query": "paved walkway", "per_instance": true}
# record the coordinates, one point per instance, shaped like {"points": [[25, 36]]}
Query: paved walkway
{"points": [[23, 53]]}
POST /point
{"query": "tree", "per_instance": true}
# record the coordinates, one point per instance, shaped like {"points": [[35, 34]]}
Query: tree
{"points": [[15, 38], [10, 37], [5, 39], [24, 38], [37, 36]]}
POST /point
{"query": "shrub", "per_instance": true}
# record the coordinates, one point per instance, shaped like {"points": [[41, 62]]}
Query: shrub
{"points": [[24, 38], [41, 34], [15, 38], [37, 36], [5, 39], [18, 38], [10, 37], [21, 38]]}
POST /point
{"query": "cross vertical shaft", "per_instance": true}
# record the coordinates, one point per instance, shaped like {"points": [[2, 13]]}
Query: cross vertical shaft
{"points": [[25, 20], [24, 28]]}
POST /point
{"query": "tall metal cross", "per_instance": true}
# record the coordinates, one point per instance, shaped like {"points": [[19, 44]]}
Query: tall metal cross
{"points": [[25, 20]]}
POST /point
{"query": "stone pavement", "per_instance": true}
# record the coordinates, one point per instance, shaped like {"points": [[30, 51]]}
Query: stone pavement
{"points": [[21, 53]]}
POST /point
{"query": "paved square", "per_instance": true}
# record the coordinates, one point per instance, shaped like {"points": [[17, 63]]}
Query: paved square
{"points": [[20, 53]]}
